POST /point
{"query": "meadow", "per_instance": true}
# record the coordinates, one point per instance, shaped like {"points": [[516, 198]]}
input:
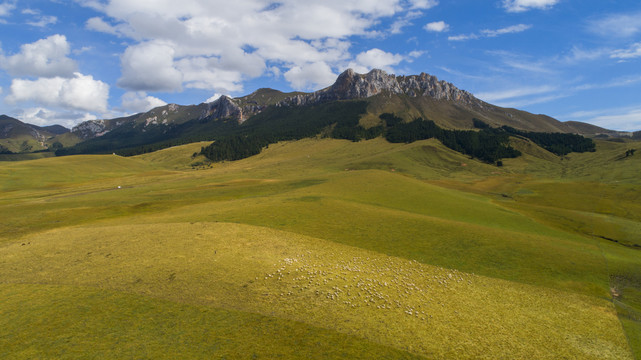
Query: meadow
{"points": [[323, 248]]}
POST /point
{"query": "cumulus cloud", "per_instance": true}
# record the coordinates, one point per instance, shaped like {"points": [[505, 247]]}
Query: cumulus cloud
{"points": [[310, 76], [375, 59], [81, 92], [6, 8], [44, 116], [416, 54], [98, 24], [437, 26], [218, 45], [213, 98], [525, 5], [139, 101], [150, 67], [43, 58]]}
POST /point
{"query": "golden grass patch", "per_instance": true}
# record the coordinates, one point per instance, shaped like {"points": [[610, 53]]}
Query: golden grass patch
{"points": [[414, 307]]}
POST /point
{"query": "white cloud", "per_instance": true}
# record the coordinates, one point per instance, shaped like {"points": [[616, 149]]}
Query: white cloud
{"points": [[514, 93], [98, 24], [617, 25], [519, 62], [506, 30], [462, 37], [437, 26], [43, 21], [310, 76], [43, 58], [150, 67], [485, 33], [375, 59], [633, 51], [217, 45], [577, 55], [81, 92], [525, 5], [520, 103], [205, 73], [619, 82], [213, 97], [423, 4], [43, 117], [626, 119], [400, 23], [83, 49], [6, 8], [139, 101]]}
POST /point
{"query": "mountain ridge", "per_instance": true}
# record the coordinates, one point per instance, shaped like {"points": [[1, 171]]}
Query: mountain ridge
{"points": [[408, 96], [18, 136], [424, 95]]}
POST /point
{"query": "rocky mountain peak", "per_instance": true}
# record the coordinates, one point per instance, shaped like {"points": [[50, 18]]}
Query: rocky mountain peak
{"points": [[224, 107], [351, 85], [90, 129]]}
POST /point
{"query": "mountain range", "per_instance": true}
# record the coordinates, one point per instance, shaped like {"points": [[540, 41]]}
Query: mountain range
{"points": [[407, 97]]}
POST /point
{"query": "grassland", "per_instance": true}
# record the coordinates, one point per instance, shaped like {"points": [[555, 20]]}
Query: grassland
{"points": [[322, 249]]}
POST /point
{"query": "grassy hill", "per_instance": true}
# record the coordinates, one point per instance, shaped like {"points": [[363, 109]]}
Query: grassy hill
{"points": [[323, 248]]}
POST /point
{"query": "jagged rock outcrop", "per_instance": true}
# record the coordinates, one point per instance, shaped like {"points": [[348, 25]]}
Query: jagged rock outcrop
{"points": [[90, 129], [225, 107], [350, 85]]}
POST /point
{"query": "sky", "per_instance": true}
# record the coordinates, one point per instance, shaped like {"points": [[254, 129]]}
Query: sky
{"points": [[68, 61]]}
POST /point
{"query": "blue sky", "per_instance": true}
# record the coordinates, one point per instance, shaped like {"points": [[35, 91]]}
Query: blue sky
{"points": [[66, 61]]}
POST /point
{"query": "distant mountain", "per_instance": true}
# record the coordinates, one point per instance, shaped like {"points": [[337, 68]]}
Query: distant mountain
{"points": [[239, 109], [407, 97], [54, 129], [589, 129], [17, 136]]}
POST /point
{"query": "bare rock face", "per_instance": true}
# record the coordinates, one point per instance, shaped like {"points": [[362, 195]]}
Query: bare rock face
{"points": [[223, 107], [226, 107], [90, 129], [350, 85]]}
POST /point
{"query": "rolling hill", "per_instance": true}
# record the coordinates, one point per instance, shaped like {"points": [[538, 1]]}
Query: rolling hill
{"points": [[358, 223], [323, 248]]}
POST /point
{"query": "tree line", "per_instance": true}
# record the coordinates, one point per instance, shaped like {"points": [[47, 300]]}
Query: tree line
{"points": [[556, 143], [340, 120]]}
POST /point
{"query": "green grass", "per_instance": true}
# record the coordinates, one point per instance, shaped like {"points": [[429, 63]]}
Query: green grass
{"points": [[386, 300], [526, 246], [63, 322]]}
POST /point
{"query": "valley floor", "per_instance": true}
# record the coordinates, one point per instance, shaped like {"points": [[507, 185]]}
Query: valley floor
{"points": [[322, 249]]}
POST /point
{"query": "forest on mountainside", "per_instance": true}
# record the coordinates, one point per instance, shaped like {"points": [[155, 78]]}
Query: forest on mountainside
{"points": [[341, 121]]}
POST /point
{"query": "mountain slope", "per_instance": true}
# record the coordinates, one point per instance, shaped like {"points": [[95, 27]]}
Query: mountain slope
{"points": [[408, 97], [17, 136]]}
